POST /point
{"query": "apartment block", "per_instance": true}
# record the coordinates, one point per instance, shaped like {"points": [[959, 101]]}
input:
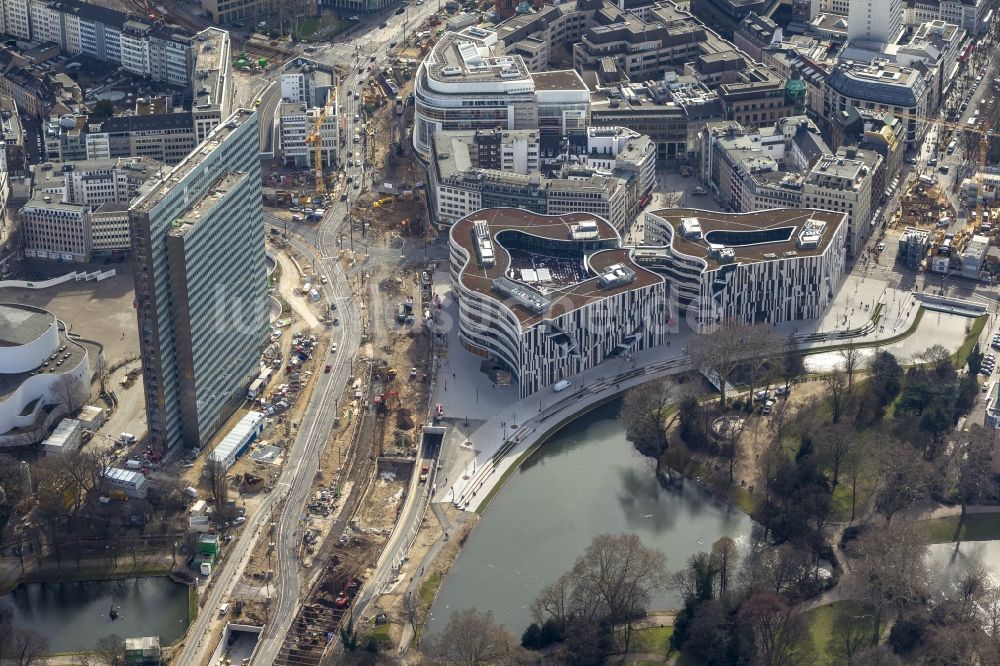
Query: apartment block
{"points": [[307, 82], [296, 122], [973, 16], [141, 47], [844, 183], [881, 86], [201, 284], [671, 112], [80, 210], [605, 171]]}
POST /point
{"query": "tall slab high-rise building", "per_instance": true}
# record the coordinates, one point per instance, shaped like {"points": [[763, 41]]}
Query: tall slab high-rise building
{"points": [[874, 21], [201, 284]]}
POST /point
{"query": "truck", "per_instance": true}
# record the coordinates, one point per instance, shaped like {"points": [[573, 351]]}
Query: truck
{"points": [[255, 388], [951, 146], [132, 463]]}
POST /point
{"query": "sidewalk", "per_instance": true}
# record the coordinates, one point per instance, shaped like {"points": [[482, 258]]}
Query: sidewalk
{"points": [[508, 427]]}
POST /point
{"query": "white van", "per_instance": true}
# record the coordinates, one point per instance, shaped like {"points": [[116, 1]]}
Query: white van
{"points": [[223, 609], [561, 385]]}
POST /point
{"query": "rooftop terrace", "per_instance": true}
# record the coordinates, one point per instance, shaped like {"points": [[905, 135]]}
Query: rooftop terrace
{"points": [[759, 236], [585, 264]]}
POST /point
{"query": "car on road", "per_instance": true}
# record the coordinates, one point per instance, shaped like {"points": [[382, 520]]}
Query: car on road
{"points": [[333, 348], [327, 369], [700, 191], [880, 247], [383, 25], [257, 103]]}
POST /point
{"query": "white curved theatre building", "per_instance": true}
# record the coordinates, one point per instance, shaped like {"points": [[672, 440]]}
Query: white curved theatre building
{"points": [[35, 358]]}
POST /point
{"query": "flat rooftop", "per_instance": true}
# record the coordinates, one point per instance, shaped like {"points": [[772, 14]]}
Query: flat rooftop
{"points": [[21, 324], [563, 79], [204, 206], [758, 236], [575, 278], [467, 57], [211, 64], [151, 198]]}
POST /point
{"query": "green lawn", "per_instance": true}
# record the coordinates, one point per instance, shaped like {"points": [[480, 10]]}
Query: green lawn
{"points": [[192, 603], [977, 527], [429, 588], [821, 629], [654, 640], [841, 503], [962, 355], [381, 634]]}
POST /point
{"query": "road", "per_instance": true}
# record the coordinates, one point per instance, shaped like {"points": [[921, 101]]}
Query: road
{"points": [[294, 485], [325, 238]]}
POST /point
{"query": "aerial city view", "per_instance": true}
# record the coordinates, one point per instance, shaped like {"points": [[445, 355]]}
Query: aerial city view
{"points": [[485, 332]]}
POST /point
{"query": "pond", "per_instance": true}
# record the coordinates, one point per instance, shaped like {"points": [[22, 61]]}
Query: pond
{"points": [[586, 480], [73, 615]]}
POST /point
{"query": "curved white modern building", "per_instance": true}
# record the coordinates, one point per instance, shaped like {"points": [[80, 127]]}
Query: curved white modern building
{"points": [[461, 84], [35, 357], [548, 296], [466, 83], [772, 266]]}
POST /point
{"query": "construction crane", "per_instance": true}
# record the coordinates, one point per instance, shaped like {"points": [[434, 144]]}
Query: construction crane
{"points": [[985, 133], [315, 140]]}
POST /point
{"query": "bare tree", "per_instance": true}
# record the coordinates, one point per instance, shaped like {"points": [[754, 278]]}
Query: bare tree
{"points": [[837, 393], [761, 348], [836, 443], [28, 647], [719, 353], [623, 574], [644, 410], [855, 464], [902, 480], [70, 392], [779, 637], [472, 638], [852, 632], [731, 439], [973, 455], [110, 650], [851, 354], [553, 602], [725, 558], [889, 571], [218, 483]]}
